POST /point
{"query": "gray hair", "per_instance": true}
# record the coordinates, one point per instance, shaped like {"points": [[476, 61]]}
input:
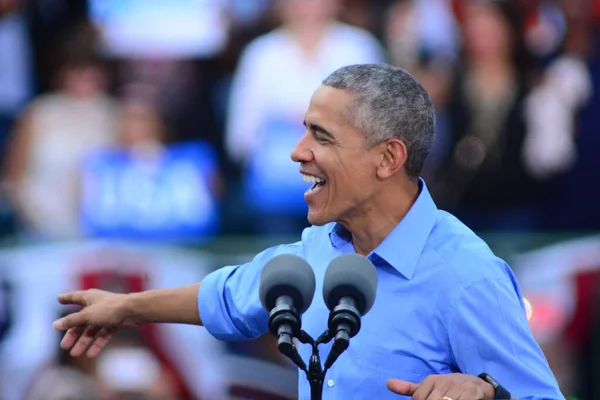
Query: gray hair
{"points": [[389, 103]]}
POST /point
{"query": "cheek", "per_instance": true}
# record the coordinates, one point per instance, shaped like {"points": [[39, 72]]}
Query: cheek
{"points": [[354, 179]]}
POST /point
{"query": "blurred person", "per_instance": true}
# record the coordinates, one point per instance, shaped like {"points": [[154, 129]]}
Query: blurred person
{"points": [[483, 178], [51, 138], [551, 110], [421, 36], [368, 130], [561, 140], [149, 188], [560, 40], [276, 75]]}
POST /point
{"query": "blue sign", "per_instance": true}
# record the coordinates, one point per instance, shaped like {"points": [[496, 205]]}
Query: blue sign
{"points": [[169, 197]]}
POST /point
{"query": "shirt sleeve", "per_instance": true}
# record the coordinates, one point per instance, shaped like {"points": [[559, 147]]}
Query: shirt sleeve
{"points": [[489, 332], [228, 299]]}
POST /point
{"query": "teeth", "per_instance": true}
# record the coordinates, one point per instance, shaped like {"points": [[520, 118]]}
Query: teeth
{"points": [[311, 178]]}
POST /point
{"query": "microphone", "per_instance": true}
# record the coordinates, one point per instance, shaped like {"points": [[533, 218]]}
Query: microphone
{"points": [[287, 287], [349, 289]]}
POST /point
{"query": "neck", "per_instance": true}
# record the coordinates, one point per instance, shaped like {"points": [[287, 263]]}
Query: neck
{"points": [[374, 222], [309, 36]]}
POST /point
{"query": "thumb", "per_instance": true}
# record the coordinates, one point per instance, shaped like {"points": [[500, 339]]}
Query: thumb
{"points": [[71, 321], [401, 387]]}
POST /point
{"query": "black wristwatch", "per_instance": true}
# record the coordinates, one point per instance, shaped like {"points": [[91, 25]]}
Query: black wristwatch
{"points": [[499, 392]]}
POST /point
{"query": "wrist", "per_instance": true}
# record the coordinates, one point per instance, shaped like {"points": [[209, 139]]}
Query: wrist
{"points": [[498, 392], [132, 308], [488, 390]]}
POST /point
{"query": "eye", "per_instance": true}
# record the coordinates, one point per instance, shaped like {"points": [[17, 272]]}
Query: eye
{"points": [[320, 137]]}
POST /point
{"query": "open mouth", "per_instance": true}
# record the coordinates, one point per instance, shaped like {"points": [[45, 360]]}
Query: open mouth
{"points": [[317, 182]]}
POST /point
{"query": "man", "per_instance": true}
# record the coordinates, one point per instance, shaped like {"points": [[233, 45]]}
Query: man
{"points": [[446, 310]]}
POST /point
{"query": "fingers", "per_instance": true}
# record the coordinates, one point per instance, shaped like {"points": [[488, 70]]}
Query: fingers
{"points": [[81, 338], [459, 395], [71, 337], [435, 394], [85, 340], [100, 343], [427, 390], [436, 387], [401, 387], [76, 297], [70, 321]]}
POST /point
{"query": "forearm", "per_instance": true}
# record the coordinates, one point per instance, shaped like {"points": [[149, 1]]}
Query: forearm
{"points": [[175, 305]]}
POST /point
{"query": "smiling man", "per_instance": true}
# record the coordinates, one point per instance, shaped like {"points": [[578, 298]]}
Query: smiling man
{"points": [[448, 322]]}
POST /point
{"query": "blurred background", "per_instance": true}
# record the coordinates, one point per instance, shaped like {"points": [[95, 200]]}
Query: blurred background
{"points": [[145, 143]]}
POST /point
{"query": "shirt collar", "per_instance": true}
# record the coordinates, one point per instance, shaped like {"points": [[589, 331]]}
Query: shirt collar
{"points": [[402, 248]]}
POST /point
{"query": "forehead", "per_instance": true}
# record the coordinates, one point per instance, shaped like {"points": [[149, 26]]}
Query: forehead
{"points": [[330, 105]]}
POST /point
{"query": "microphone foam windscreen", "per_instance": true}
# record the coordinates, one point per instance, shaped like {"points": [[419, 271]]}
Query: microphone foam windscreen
{"points": [[287, 275], [350, 275]]}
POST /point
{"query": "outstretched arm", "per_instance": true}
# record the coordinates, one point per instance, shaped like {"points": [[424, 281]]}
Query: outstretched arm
{"points": [[176, 305], [90, 329], [228, 306]]}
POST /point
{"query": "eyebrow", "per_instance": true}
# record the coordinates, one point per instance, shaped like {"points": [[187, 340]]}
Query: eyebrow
{"points": [[320, 129]]}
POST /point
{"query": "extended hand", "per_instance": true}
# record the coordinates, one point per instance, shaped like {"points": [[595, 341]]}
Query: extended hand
{"points": [[436, 387], [90, 329]]}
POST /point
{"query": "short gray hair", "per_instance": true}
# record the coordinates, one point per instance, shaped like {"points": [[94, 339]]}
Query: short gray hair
{"points": [[389, 103]]}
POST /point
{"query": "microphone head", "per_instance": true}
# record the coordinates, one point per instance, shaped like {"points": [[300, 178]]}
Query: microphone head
{"points": [[287, 275], [350, 275]]}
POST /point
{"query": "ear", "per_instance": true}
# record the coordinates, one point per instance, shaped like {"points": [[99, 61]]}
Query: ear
{"points": [[393, 156]]}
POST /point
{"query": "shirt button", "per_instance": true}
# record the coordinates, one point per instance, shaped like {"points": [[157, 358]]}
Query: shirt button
{"points": [[330, 383]]}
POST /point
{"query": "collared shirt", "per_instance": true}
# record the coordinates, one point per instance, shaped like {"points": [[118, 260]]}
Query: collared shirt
{"points": [[445, 303]]}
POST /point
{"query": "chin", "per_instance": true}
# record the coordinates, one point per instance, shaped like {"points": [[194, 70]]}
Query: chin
{"points": [[317, 219]]}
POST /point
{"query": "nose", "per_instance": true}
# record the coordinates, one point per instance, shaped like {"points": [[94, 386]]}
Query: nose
{"points": [[302, 152]]}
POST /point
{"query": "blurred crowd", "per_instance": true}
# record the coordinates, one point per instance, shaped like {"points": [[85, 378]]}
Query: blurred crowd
{"points": [[173, 121]]}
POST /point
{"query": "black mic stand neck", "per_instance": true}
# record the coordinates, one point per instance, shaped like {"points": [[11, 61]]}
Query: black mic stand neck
{"points": [[344, 323], [315, 373]]}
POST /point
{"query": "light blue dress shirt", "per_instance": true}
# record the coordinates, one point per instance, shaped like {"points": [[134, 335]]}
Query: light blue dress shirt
{"points": [[445, 303]]}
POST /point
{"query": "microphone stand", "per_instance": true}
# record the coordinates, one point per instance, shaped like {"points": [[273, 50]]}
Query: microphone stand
{"points": [[315, 373], [285, 324]]}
